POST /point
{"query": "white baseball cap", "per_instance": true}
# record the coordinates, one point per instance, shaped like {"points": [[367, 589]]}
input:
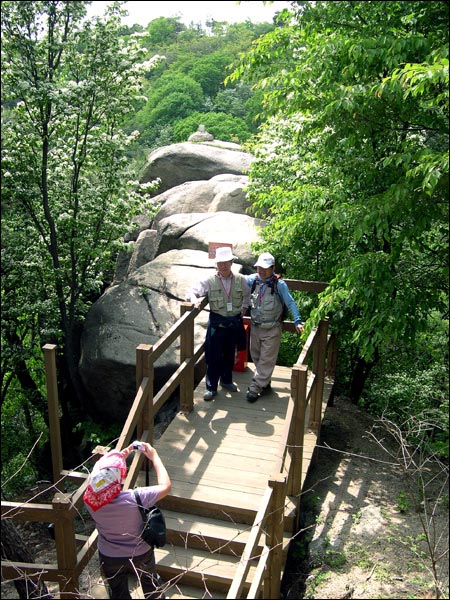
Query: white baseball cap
{"points": [[265, 260], [224, 254]]}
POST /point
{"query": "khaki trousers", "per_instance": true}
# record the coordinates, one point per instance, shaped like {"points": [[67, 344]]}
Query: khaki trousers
{"points": [[264, 347]]}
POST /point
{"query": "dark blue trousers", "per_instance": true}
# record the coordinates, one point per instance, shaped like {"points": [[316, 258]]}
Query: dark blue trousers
{"points": [[220, 349]]}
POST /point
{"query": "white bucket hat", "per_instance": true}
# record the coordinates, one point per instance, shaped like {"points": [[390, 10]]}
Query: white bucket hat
{"points": [[224, 254], [265, 260]]}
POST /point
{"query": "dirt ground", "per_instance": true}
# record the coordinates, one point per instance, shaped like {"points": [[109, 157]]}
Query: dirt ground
{"points": [[366, 519]]}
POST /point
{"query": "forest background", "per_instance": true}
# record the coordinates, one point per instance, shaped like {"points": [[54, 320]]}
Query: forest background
{"points": [[345, 107]]}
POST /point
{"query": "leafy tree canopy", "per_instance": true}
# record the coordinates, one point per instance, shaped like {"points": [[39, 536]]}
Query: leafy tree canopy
{"points": [[222, 126], [67, 195], [352, 168]]}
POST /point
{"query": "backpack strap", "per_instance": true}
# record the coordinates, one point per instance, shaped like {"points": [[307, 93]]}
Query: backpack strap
{"points": [[273, 284], [139, 504]]}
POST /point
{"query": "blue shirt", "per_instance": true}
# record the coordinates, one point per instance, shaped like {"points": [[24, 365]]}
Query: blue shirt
{"points": [[283, 292]]}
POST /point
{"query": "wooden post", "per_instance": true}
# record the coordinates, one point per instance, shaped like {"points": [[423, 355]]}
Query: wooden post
{"points": [[187, 353], [66, 551], [331, 365], [275, 530], [53, 411], [299, 380], [331, 357], [144, 368], [319, 356]]}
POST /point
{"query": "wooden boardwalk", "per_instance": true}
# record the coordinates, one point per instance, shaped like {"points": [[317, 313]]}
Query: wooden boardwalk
{"points": [[234, 467], [219, 457]]}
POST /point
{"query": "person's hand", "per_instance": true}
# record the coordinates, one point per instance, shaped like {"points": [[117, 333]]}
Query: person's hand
{"points": [[127, 451], [148, 450], [299, 328]]}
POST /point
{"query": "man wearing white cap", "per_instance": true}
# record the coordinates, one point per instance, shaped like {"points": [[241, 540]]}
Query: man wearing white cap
{"points": [[229, 298], [269, 296]]}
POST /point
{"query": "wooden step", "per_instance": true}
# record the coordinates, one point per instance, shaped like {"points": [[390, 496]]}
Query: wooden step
{"points": [[213, 535], [204, 533], [190, 593], [190, 566], [171, 590], [204, 500]]}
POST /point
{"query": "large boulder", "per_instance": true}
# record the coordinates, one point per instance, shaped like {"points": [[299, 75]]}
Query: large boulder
{"points": [[178, 163], [165, 257], [138, 311], [196, 230], [221, 193]]}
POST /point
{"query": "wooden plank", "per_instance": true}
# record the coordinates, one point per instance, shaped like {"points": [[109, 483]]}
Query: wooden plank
{"points": [[220, 460], [212, 501], [237, 443], [266, 408], [214, 493], [175, 592], [233, 444], [216, 569], [254, 482]]}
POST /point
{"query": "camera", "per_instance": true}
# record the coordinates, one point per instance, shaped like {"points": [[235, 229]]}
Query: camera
{"points": [[138, 446]]}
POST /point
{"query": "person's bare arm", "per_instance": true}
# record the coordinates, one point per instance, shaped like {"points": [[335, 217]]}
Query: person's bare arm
{"points": [[164, 484]]}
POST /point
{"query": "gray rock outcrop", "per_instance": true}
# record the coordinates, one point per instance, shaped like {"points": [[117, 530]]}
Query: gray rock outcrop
{"points": [[166, 256], [179, 163]]}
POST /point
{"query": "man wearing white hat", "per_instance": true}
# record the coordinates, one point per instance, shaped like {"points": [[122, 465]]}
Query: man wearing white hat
{"points": [[269, 296], [229, 298]]}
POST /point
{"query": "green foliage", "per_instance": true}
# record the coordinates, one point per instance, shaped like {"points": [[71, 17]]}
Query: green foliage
{"points": [[24, 435], [98, 434], [402, 502], [222, 126], [412, 387], [335, 560], [162, 31], [171, 97], [191, 80], [290, 348], [67, 192], [351, 171]]}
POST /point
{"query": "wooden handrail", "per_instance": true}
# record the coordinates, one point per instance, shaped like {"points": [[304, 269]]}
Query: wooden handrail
{"points": [[306, 389], [251, 546]]}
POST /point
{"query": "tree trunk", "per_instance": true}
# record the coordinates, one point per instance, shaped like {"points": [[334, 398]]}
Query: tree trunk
{"points": [[360, 374], [15, 549]]}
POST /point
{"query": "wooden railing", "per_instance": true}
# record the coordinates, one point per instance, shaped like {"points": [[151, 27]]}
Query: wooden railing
{"points": [[65, 506], [307, 386], [73, 551]]}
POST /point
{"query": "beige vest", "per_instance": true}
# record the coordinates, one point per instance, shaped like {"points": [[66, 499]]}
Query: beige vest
{"points": [[218, 299], [266, 310]]}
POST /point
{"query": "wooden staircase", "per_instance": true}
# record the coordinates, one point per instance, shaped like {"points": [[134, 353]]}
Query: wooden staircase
{"points": [[200, 557], [237, 471], [202, 554]]}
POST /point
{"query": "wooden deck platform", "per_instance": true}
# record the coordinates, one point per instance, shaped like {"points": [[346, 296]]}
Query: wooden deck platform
{"points": [[220, 457]]}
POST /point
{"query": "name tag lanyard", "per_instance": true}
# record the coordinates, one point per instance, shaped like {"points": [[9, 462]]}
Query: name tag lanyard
{"points": [[228, 294], [262, 293]]}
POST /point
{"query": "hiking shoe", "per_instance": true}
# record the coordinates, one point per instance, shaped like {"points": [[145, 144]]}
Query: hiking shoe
{"points": [[231, 387], [266, 389], [209, 395], [252, 396]]}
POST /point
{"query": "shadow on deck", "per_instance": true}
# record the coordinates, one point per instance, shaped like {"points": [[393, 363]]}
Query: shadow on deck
{"points": [[237, 472]]}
